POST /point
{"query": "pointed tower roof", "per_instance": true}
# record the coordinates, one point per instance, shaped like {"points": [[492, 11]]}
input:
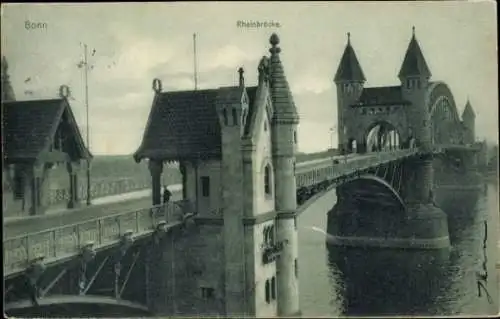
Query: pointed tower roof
{"points": [[414, 62], [468, 111], [283, 104], [349, 68], [7, 91]]}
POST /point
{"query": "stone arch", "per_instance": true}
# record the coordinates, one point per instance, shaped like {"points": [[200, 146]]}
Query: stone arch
{"points": [[382, 129], [445, 120]]}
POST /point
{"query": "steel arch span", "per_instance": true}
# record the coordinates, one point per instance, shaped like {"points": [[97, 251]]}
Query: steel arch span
{"points": [[77, 306], [445, 123], [373, 189]]}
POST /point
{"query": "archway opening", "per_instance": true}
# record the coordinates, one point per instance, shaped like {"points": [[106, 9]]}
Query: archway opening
{"points": [[382, 137]]}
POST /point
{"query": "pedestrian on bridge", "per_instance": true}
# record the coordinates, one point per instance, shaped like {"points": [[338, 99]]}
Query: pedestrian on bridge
{"points": [[166, 195]]}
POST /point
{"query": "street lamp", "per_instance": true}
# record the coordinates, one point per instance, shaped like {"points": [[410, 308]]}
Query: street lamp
{"points": [[84, 64]]}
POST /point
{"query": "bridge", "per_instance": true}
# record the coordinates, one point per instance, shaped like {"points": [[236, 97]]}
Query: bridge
{"points": [[227, 242]]}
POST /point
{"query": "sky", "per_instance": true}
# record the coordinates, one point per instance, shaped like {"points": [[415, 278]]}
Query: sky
{"points": [[137, 42]]}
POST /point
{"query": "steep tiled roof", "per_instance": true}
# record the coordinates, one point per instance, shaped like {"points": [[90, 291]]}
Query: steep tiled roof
{"points": [[283, 104], [414, 62], [381, 96], [182, 125], [29, 127], [468, 111], [349, 68]]}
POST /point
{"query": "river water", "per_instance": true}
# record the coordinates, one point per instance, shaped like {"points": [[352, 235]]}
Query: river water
{"points": [[338, 281]]}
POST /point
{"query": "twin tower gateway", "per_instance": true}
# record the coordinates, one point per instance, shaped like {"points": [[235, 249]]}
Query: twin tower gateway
{"points": [[236, 149]]}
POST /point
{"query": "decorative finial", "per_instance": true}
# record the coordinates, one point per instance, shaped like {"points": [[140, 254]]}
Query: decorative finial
{"points": [[348, 37], [242, 79], [413, 30], [274, 40], [64, 91], [157, 87]]}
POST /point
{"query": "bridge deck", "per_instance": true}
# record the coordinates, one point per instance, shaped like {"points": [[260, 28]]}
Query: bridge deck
{"points": [[101, 207]]}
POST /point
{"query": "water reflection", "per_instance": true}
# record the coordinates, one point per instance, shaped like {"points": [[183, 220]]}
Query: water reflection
{"points": [[452, 281], [389, 282]]}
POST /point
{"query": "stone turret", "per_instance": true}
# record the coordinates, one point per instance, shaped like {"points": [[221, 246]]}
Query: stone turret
{"points": [[414, 76], [349, 80], [284, 146], [468, 120], [7, 91]]}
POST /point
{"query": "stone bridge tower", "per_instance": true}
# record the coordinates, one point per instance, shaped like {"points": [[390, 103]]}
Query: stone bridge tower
{"points": [[469, 123], [349, 80], [414, 76], [284, 145]]}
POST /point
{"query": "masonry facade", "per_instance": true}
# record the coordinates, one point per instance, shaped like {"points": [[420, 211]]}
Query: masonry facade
{"points": [[236, 149], [416, 111]]}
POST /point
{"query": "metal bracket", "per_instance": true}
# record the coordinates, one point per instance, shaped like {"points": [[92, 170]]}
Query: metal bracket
{"points": [[33, 274], [87, 254], [126, 241]]}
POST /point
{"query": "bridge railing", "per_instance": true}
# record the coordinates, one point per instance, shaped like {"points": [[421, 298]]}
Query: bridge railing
{"points": [[314, 172], [66, 241], [100, 189]]}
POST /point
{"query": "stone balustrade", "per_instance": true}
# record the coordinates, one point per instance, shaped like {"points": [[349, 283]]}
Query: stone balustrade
{"points": [[65, 242]]}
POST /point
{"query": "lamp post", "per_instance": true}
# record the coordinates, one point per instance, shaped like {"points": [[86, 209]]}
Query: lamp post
{"points": [[84, 64]]}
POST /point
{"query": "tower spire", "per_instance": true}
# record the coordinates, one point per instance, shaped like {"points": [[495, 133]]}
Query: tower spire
{"points": [[280, 91], [7, 90], [414, 64], [349, 68]]}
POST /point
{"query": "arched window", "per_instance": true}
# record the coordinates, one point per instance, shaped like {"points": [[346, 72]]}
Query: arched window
{"points": [[271, 235], [224, 114], [268, 297], [265, 126], [267, 179], [273, 288], [235, 116], [295, 137]]}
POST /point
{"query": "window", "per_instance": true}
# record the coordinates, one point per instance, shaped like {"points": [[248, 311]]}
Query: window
{"points": [[268, 297], [295, 222], [267, 180], [205, 186], [265, 126], [295, 137], [224, 113], [235, 116], [273, 288], [207, 293]]}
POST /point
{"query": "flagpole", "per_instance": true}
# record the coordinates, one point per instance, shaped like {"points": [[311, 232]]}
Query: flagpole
{"points": [[89, 202], [195, 66]]}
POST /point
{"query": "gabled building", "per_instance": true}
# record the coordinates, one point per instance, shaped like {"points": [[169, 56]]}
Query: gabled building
{"points": [[236, 149], [36, 135]]}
